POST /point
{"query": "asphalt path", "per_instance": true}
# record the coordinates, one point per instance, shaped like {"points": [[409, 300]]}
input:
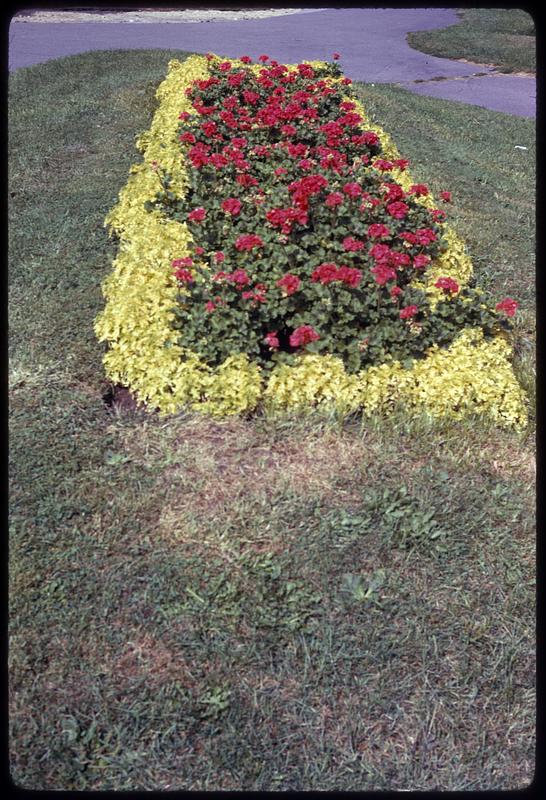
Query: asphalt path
{"points": [[372, 43]]}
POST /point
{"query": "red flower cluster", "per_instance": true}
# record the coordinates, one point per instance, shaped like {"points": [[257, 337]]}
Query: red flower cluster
{"points": [[232, 206], [448, 285], [508, 306], [248, 242], [271, 339], [352, 245], [289, 283], [303, 335], [378, 231], [284, 218], [409, 312], [282, 165], [197, 215], [328, 273], [398, 210], [383, 273]]}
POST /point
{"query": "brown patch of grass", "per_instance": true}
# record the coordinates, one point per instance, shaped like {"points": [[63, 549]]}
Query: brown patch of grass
{"points": [[145, 656], [213, 467]]}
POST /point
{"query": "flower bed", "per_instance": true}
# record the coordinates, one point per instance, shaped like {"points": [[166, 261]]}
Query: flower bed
{"points": [[274, 251]]}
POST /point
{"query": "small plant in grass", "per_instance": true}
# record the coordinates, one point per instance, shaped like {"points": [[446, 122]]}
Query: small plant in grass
{"points": [[303, 241], [404, 524]]}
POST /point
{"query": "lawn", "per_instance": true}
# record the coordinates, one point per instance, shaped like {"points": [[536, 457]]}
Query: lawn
{"points": [[501, 37], [258, 604]]}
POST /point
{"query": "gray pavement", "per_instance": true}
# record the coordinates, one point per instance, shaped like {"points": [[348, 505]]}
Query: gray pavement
{"points": [[515, 94], [372, 43]]}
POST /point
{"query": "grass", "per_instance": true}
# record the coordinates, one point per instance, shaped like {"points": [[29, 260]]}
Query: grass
{"points": [[263, 604], [501, 37]]}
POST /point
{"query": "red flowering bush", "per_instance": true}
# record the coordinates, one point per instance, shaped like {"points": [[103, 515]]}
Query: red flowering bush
{"points": [[318, 243]]}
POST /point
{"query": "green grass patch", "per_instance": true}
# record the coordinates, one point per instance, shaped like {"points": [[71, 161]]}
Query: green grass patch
{"points": [[500, 37], [265, 604]]}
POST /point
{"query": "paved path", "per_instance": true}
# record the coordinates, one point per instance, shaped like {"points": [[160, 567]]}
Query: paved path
{"points": [[372, 43]]}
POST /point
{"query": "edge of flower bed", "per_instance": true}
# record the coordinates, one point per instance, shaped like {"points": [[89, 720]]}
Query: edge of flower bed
{"points": [[471, 376]]}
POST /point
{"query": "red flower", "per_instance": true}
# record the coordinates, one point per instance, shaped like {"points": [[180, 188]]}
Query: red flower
{"points": [[182, 262], [239, 277], [446, 197], [394, 191], [188, 138], [259, 296], [419, 189], [399, 259], [218, 160], [197, 215], [408, 312], [401, 163], [437, 215], [395, 291], [380, 252], [248, 241], [382, 165], [237, 79], [288, 130], [425, 236], [382, 273], [306, 70], [508, 306], [198, 251], [378, 231], [368, 137], [334, 199], [244, 179], [325, 273], [421, 261], [280, 171], [272, 340], [336, 56], [199, 155], [398, 210], [225, 66], [210, 306], [349, 275], [289, 283], [352, 245], [219, 257], [232, 206], [352, 189], [350, 119], [246, 59], [303, 335], [448, 285], [263, 58], [184, 275], [209, 128]]}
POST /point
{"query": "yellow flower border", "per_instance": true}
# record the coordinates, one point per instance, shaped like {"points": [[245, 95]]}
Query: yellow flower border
{"points": [[471, 376]]}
